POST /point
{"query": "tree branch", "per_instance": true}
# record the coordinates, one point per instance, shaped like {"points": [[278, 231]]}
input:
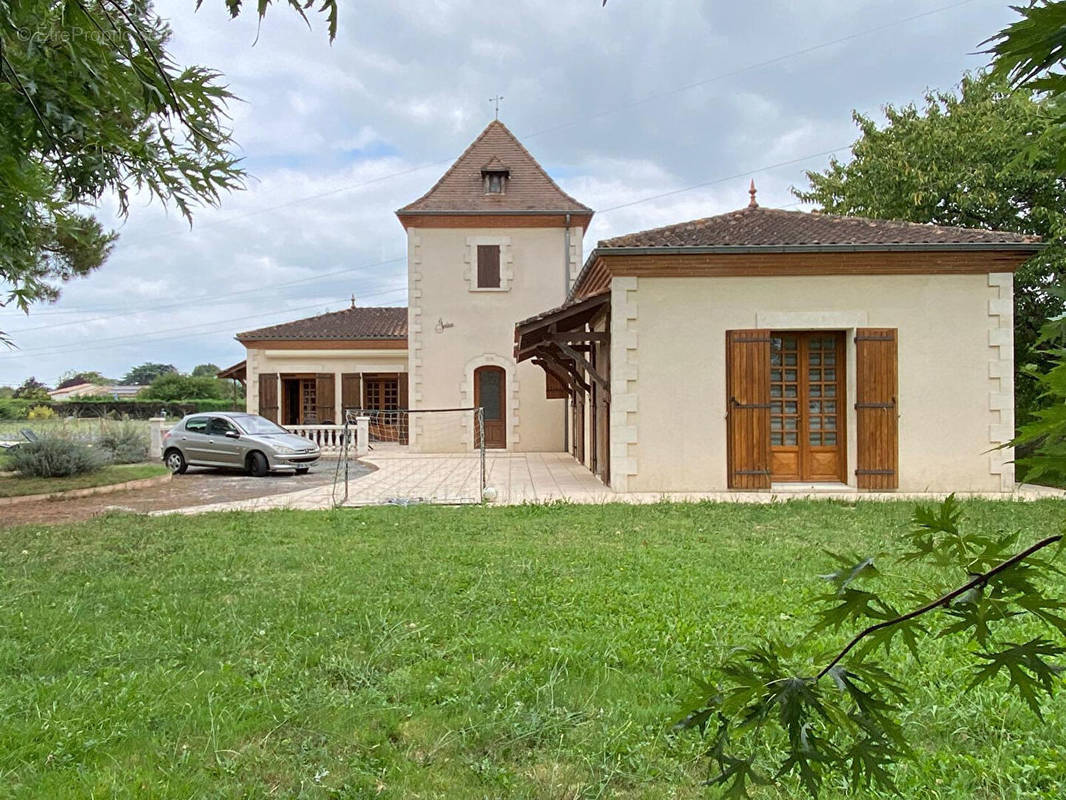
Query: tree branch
{"points": [[980, 580], [161, 70]]}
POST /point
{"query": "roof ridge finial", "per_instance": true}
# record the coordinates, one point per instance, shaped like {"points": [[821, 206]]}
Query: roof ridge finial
{"points": [[353, 301], [751, 191]]}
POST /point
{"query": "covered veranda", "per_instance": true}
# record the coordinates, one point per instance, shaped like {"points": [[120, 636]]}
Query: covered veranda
{"points": [[572, 344]]}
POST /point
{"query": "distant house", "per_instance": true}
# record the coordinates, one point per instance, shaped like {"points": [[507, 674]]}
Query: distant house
{"points": [[87, 390], [741, 351], [76, 390]]}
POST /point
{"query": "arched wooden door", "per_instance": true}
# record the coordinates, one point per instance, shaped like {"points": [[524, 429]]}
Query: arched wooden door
{"points": [[490, 384]]}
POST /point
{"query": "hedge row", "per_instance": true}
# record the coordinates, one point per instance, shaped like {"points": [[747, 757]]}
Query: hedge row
{"points": [[106, 407]]}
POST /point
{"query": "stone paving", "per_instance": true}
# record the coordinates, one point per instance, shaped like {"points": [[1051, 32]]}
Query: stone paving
{"points": [[401, 477]]}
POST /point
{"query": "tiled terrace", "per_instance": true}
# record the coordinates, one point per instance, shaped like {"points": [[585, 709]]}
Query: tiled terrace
{"points": [[403, 477]]}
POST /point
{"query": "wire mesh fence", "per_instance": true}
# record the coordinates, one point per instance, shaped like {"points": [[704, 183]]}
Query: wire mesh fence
{"points": [[421, 456]]}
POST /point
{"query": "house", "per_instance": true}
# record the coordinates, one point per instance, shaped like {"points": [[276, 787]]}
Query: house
{"points": [[765, 347], [85, 389], [743, 351], [493, 241], [76, 390]]}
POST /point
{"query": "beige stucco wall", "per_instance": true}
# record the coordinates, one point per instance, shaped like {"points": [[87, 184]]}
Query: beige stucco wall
{"points": [[955, 371], [337, 362], [478, 329]]}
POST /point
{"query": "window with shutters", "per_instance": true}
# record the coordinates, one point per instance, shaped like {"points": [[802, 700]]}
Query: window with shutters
{"points": [[489, 263], [488, 266]]}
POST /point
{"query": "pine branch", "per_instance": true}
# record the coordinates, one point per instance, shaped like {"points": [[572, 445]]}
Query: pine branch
{"points": [[978, 581]]}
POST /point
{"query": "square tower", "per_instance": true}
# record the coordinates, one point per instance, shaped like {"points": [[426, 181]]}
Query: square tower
{"points": [[494, 241]]}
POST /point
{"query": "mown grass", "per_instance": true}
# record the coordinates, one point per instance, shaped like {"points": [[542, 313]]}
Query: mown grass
{"points": [[19, 486], [529, 652]]}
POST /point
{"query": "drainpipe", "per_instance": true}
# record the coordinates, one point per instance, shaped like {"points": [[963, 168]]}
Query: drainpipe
{"points": [[566, 294], [566, 257]]}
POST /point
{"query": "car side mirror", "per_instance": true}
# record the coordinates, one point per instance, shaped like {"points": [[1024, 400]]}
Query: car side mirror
{"points": [[232, 435]]}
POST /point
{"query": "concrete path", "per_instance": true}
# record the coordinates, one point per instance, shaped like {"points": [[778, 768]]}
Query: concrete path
{"points": [[402, 478]]}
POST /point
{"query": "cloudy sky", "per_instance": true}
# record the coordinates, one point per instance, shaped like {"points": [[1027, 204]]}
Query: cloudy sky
{"points": [[650, 112]]}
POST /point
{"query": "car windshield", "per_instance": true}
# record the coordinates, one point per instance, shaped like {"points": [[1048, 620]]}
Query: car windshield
{"points": [[257, 425]]}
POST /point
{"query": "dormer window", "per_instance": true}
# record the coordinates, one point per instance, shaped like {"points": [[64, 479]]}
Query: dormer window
{"points": [[495, 175]]}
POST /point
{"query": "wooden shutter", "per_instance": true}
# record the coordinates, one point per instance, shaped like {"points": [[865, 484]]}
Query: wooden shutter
{"points": [[325, 398], [351, 391], [268, 395], [554, 389], [488, 266], [579, 426], [876, 412], [747, 366]]}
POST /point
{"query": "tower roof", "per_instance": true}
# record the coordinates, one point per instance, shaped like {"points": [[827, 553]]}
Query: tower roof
{"points": [[462, 189]]}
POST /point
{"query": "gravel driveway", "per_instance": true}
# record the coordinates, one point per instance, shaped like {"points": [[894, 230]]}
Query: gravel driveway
{"points": [[197, 487]]}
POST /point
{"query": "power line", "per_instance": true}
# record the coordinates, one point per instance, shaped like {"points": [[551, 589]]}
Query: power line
{"points": [[748, 68], [721, 180], [604, 113], [392, 291], [217, 298], [165, 334], [224, 326], [211, 298]]}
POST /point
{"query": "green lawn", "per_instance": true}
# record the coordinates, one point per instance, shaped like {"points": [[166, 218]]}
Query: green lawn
{"points": [[530, 652], [18, 486]]}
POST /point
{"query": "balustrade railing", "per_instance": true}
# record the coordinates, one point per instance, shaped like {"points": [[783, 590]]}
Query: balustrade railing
{"points": [[330, 438]]}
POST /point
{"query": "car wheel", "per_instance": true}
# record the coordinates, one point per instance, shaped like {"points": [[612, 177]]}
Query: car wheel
{"points": [[257, 465], [175, 462], [302, 470]]}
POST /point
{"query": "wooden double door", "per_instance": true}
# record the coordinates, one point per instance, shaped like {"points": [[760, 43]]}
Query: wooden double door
{"points": [[807, 406]]}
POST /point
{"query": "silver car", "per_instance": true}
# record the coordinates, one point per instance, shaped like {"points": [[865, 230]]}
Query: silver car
{"points": [[238, 440]]}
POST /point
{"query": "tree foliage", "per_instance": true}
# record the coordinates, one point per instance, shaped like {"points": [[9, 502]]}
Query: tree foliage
{"points": [[966, 159], [147, 372], [173, 386], [1029, 53], [32, 389], [74, 377], [784, 711], [1041, 442], [205, 371], [92, 103]]}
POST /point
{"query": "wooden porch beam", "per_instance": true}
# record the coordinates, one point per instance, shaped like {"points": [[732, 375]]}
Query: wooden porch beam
{"points": [[569, 378], [581, 337], [584, 362]]}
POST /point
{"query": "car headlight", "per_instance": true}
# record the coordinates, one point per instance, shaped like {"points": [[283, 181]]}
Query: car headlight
{"points": [[284, 451]]}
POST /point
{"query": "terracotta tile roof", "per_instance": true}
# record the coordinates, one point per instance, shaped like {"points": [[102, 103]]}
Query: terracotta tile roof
{"points": [[767, 227], [351, 323], [528, 188]]}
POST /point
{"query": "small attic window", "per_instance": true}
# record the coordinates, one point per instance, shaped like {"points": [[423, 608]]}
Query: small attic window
{"points": [[495, 175]]}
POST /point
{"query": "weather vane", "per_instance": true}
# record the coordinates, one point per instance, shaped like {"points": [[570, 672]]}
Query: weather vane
{"points": [[496, 100]]}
